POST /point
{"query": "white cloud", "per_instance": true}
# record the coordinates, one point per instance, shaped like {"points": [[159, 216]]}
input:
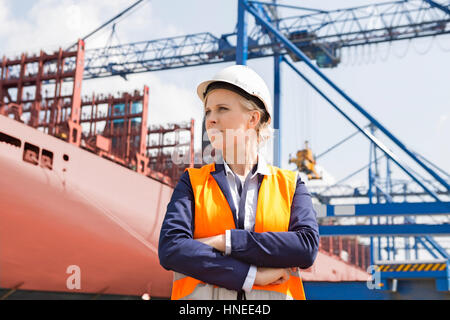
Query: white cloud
{"points": [[4, 13], [50, 24], [47, 25], [443, 119]]}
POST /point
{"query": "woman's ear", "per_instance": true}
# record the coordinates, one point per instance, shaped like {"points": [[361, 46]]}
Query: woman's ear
{"points": [[254, 118]]}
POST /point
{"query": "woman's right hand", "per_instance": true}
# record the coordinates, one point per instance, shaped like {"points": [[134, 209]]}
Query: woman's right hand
{"points": [[265, 276]]}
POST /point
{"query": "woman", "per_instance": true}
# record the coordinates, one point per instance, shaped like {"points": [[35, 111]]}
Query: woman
{"points": [[238, 227]]}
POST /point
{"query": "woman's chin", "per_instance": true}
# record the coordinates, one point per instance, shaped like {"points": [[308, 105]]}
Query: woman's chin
{"points": [[217, 145]]}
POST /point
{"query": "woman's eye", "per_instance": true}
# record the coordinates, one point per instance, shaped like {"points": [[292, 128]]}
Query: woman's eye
{"points": [[223, 108]]}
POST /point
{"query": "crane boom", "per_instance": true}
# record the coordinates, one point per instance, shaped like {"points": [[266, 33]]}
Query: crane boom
{"points": [[319, 34]]}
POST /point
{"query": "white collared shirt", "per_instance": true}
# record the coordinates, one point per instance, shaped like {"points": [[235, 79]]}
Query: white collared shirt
{"points": [[250, 191]]}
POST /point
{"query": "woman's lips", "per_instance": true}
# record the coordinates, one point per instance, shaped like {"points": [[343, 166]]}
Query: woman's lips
{"points": [[215, 131]]}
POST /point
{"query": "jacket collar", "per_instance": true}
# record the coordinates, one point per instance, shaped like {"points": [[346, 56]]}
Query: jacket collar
{"points": [[260, 168]]}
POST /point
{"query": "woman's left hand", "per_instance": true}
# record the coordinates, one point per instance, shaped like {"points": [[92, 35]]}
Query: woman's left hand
{"points": [[217, 242]]}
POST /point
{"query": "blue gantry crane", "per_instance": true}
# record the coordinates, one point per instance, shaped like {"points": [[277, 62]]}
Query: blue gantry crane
{"points": [[320, 34], [315, 38]]}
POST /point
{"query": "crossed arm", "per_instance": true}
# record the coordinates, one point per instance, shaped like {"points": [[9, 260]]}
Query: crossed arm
{"points": [[263, 276], [203, 259]]}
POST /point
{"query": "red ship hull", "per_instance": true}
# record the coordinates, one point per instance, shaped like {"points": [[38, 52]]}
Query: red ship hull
{"points": [[87, 212]]}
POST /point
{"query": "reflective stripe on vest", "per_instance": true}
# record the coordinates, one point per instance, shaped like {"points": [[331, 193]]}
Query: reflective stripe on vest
{"points": [[213, 216]]}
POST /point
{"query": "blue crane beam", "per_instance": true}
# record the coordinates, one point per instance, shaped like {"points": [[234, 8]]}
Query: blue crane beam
{"points": [[348, 192], [384, 209], [242, 39], [316, 33], [438, 5], [388, 21], [161, 54], [385, 230]]}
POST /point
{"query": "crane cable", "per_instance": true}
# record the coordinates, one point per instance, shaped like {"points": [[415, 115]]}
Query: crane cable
{"points": [[366, 54], [123, 14]]}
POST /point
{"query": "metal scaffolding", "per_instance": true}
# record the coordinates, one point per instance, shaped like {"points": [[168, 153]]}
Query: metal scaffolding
{"points": [[44, 91]]}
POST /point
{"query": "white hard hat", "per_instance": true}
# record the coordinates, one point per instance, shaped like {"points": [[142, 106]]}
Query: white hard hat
{"points": [[244, 78]]}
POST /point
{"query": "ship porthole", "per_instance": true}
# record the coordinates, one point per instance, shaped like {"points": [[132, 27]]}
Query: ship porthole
{"points": [[66, 157]]}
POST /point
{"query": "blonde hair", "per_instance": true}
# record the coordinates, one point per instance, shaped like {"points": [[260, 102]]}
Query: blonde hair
{"points": [[263, 129]]}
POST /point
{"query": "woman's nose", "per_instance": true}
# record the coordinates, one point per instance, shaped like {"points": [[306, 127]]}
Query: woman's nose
{"points": [[210, 121]]}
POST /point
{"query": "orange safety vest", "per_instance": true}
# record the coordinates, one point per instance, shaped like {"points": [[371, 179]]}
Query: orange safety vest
{"points": [[213, 216]]}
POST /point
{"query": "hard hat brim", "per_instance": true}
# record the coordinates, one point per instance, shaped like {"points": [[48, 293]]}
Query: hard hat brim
{"points": [[203, 87]]}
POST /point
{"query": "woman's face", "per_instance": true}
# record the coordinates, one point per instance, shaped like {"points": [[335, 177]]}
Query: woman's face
{"points": [[225, 118]]}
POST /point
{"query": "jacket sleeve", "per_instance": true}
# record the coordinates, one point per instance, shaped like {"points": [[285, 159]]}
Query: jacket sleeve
{"points": [[297, 247], [178, 251]]}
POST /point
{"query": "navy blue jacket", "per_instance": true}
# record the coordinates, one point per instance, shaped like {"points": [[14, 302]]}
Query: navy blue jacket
{"points": [[178, 251]]}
